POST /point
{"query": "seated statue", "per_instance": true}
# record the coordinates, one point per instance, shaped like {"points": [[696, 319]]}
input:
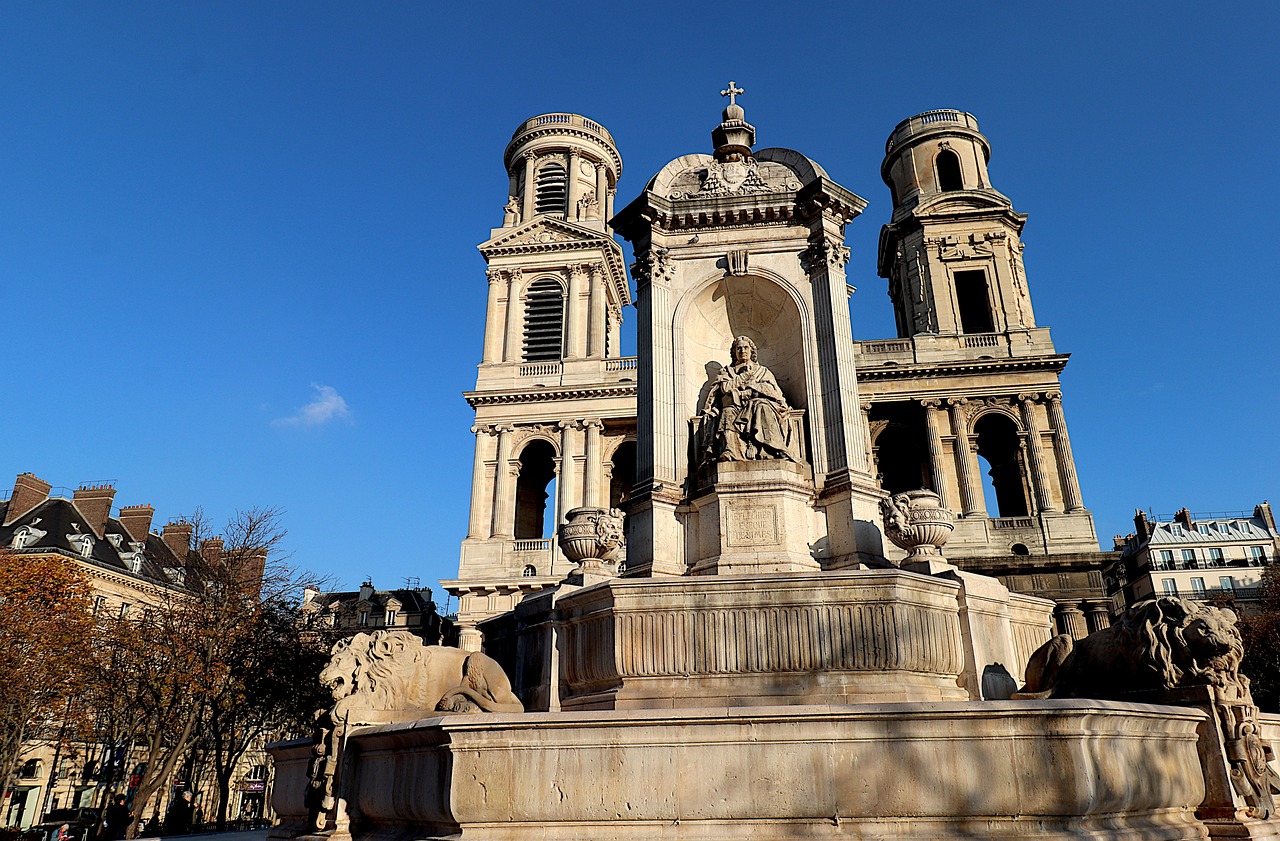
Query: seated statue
{"points": [[745, 414]]}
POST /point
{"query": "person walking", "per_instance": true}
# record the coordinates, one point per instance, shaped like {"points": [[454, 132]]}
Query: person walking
{"points": [[115, 823]]}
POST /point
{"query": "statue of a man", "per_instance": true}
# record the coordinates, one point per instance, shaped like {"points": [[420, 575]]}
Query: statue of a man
{"points": [[745, 414]]}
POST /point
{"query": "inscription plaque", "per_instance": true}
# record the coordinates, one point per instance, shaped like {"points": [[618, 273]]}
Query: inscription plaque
{"points": [[753, 526]]}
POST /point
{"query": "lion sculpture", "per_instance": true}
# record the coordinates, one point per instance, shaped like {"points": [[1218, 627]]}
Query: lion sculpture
{"points": [[392, 671], [388, 676], [1163, 643]]}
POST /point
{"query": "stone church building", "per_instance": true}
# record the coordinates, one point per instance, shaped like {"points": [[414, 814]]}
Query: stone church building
{"points": [[740, 277]]}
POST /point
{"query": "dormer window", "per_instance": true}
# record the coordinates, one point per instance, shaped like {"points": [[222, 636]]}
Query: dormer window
{"points": [[364, 619], [391, 618], [551, 190]]}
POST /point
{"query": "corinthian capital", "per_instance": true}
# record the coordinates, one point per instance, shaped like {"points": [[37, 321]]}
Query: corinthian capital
{"points": [[824, 253]]}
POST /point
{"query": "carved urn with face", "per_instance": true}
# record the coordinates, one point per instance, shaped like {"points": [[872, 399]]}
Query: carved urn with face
{"points": [[918, 522], [591, 537]]}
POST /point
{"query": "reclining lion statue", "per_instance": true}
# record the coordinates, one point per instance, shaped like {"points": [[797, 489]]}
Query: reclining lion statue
{"points": [[1163, 643], [392, 671], [390, 676]]}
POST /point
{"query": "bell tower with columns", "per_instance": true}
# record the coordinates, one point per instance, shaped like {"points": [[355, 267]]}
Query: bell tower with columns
{"points": [[967, 400], [554, 397]]}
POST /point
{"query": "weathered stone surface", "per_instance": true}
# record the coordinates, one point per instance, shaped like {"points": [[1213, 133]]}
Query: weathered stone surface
{"points": [[1063, 769]]}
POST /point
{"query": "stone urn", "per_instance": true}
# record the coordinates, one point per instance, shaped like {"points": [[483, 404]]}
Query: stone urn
{"points": [[592, 539], [918, 522]]}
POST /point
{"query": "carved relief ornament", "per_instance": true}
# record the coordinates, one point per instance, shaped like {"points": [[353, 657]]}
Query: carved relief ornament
{"points": [[653, 265], [824, 253]]}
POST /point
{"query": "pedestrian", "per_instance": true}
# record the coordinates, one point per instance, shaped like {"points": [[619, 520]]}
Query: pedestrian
{"points": [[181, 812], [116, 821], [63, 834]]}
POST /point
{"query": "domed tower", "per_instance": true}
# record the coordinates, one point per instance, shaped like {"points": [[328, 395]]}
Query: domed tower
{"points": [[952, 251], [563, 166], [554, 398], [967, 400]]}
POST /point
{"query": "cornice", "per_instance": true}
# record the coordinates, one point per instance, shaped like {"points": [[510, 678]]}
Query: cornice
{"points": [[913, 370], [581, 239], [498, 398]]}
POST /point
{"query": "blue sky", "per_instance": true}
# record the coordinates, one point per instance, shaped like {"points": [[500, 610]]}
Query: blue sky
{"points": [[237, 240]]}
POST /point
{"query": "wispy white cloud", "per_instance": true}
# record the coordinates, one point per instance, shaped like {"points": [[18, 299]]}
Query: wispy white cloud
{"points": [[328, 406]]}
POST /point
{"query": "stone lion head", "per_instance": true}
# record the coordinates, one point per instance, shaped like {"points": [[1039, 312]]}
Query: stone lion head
{"points": [[371, 670], [1186, 643]]}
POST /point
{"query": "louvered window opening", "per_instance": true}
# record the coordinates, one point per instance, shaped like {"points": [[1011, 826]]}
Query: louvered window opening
{"points": [[543, 321], [552, 190]]}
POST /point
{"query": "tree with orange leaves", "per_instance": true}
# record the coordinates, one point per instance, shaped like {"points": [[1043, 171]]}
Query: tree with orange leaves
{"points": [[46, 634]]}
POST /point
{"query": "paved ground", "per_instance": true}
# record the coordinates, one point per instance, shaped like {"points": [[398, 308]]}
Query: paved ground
{"points": [[251, 835]]}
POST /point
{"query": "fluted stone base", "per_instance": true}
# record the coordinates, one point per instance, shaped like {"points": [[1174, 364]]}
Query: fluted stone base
{"points": [[850, 636]]}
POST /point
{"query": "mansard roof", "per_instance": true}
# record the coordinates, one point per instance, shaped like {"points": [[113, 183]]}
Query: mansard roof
{"points": [[59, 519]]}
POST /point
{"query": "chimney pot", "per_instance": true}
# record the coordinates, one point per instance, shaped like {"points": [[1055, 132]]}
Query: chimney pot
{"points": [[28, 492], [136, 520], [94, 502]]}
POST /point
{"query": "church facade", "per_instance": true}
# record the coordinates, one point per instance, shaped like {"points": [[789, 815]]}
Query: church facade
{"points": [[752, 435]]}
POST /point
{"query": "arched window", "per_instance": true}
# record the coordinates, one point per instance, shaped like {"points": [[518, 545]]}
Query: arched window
{"points": [[543, 320], [624, 473], [551, 190], [997, 438], [949, 177], [529, 571], [973, 301], [534, 488], [899, 449]]}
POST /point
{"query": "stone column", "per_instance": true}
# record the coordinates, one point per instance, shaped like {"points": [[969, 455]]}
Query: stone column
{"points": [[866, 436], [608, 212], [515, 315], [571, 211], [932, 409], [493, 322], [596, 313], [573, 312], [602, 187], [469, 637], [593, 467], [1097, 614], [613, 346], [1070, 620], [504, 492], [478, 526], [1062, 450], [530, 164], [972, 501], [1039, 479], [567, 486]]}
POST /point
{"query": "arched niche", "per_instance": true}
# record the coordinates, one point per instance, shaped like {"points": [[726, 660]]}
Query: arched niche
{"points": [[752, 306]]}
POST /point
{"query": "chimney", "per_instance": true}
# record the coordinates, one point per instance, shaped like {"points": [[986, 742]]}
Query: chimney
{"points": [[366, 591], [136, 520], [1263, 512], [211, 551], [1184, 517], [310, 594], [94, 502], [1142, 524], [1118, 542], [28, 492], [177, 536]]}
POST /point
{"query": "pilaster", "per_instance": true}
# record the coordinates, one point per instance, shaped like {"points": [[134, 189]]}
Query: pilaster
{"points": [[591, 492], [515, 317], [530, 164], [481, 513], [567, 484], [493, 320], [596, 313]]}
